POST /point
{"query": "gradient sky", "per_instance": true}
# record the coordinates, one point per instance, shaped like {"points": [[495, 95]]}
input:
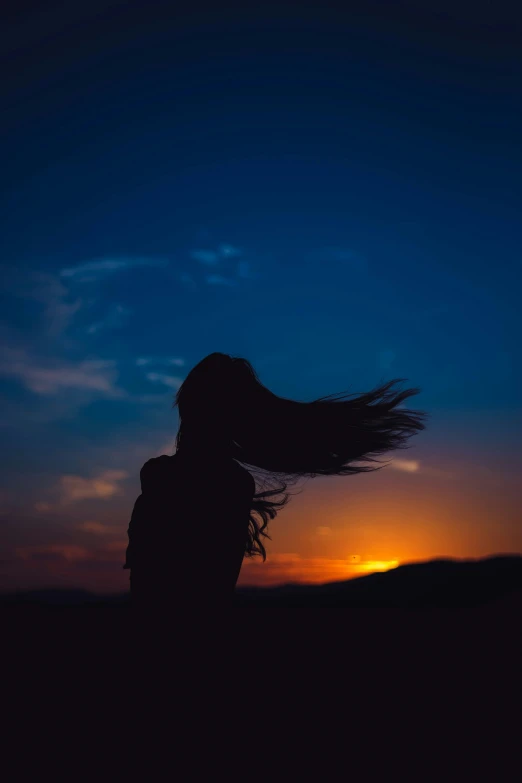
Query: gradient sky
{"points": [[336, 198]]}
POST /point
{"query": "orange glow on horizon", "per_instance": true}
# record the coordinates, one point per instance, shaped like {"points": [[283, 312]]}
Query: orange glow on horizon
{"points": [[409, 516], [291, 567], [379, 565]]}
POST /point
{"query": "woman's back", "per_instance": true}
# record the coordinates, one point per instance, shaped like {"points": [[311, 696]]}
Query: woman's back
{"points": [[188, 531]]}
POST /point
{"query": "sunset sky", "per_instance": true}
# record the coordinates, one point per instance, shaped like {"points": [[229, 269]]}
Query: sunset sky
{"points": [[335, 198]]}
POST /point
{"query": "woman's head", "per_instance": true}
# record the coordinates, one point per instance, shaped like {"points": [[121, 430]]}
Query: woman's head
{"points": [[210, 398], [224, 407], [223, 400]]}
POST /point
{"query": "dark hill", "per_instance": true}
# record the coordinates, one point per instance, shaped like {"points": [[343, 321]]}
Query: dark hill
{"points": [[437, 583]]}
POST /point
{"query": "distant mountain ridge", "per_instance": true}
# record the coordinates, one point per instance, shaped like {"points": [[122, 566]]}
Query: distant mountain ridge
{"points": [[435, 583]]}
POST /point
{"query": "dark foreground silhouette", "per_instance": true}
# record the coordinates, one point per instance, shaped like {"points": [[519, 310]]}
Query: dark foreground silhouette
{"points": [[438, 583], [239, 447], [186, 535]]}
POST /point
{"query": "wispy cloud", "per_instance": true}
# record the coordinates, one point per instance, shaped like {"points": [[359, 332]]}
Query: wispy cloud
{"points": [[43, 507], [96, 528], [229, 251], [149, 399], [47, 289], [57, 290], [72, 488], [405, 465], [60, 315], [93, 271], [71, 552], [213, 257], [414, 466], [208, 257], [114, 319], [143, 361], [173, 381], [63, 556], [233, 266], [51, 376]]}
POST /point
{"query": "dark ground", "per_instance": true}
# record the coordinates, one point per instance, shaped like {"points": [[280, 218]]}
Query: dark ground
{"points": [[433, 667]]}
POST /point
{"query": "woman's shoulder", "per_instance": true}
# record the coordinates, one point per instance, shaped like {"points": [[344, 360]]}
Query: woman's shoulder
{"points": [[162, 465], [156, 462], [154, 468]]}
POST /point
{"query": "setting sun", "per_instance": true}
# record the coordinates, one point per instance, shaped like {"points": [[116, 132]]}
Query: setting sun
{"points": [[376, 565]]}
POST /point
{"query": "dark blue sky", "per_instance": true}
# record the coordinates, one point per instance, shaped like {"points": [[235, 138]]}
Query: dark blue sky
{"points": [[335, 197]]}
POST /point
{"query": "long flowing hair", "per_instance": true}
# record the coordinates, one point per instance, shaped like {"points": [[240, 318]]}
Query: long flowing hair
{"points": [[280, 440]]}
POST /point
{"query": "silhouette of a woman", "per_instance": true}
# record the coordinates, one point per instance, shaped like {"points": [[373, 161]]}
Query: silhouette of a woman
{"points": [[199, 514]]}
